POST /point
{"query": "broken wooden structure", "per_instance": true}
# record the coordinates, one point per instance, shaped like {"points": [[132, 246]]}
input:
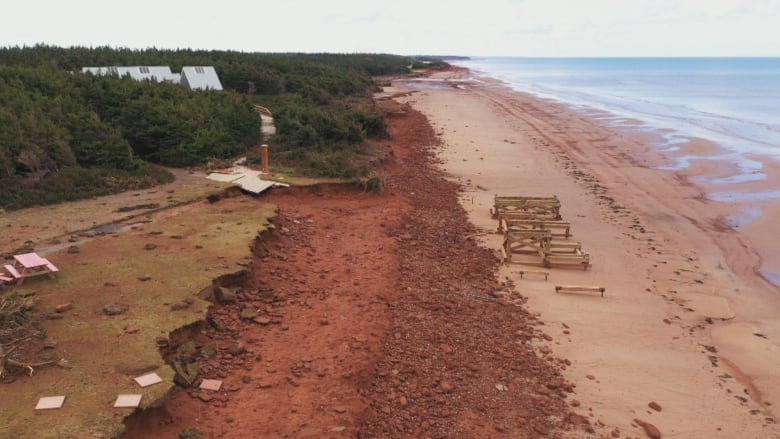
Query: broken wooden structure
{"points": [[540, 207], [557, 228], [527, 243], [535, 233], [535, 246]]}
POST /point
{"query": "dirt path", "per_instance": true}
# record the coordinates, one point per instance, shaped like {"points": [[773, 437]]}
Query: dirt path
{"points": [[377, 316]]}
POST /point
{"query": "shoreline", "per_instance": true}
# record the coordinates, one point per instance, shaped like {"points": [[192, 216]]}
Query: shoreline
{"points": [[739, 186], [659, 246]]}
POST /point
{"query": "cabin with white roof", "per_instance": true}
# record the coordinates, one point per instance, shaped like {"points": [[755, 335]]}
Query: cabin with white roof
{"points": [[200, 78], [193, 77], [139, 73]]}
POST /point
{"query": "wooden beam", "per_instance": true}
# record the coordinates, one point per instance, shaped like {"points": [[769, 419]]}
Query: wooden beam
{"points": [[545, 273], [573, 288]]}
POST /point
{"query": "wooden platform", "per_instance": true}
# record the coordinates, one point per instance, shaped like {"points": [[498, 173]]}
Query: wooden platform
{"points": [[529, 225]]}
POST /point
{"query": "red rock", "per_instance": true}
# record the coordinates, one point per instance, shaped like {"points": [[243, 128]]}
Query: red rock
{"points": [[650, 430], [542, 390], [263, 320], [446, 387], [541, 429], [655, 406], [131, 329], [64, 307], [576, 419]]}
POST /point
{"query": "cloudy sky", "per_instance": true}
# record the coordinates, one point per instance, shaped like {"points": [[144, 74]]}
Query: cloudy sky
{"points": [[486, 27]]}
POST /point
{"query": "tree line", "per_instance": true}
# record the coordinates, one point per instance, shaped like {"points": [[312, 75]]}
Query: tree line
{"points": [[66, 135]]}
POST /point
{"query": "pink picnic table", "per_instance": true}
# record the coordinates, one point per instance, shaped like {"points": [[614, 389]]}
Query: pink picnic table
{"points": [[30, 264]]}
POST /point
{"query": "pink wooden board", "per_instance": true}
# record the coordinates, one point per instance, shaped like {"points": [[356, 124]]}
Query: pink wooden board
{"points": [[211, 384], [148, 379], [50, 402], [30, 260], [124, 401]]}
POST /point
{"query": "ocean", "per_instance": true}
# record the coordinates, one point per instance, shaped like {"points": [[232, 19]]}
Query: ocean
{"points": [[734, 102]]}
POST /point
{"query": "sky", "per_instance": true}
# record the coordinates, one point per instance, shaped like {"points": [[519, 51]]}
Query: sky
{"points": [[555, 28]]}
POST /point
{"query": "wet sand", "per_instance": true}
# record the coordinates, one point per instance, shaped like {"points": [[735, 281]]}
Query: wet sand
{"points": [[687, 322]]}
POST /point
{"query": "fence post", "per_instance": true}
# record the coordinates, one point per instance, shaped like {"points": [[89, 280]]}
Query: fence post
{"points": [[264, 157]]}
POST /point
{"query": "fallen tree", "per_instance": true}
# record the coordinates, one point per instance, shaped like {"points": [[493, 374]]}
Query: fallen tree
{"points": [[18, 328]]}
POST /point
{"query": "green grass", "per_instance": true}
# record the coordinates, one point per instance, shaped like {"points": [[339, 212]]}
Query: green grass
{"points": [[107, 271], [42, 224]]}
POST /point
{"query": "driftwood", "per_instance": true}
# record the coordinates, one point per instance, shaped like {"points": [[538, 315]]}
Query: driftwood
{"points": [[5, 362], [17, 328]]}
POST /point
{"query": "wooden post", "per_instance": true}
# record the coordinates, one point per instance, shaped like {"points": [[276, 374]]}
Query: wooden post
{"points": [[264, 157]]}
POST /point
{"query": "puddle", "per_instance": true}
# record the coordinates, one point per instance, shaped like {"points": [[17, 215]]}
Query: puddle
{"points": [[771, 276], [744, 217]]}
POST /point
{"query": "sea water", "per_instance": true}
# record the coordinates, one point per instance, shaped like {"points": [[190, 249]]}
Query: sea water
{"points": [[734, 102]]}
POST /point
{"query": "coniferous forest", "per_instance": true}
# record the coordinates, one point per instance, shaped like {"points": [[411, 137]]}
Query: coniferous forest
{"points": [[66, 135]]}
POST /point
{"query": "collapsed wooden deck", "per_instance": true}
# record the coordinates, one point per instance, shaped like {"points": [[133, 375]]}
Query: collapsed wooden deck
{"points": [[535, 233]]}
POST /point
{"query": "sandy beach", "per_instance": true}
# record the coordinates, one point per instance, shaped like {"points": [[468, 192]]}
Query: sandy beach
{"points": [[687, 322]]}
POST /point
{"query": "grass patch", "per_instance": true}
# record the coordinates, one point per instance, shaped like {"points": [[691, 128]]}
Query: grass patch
{"points": [[39, 226], [193, 246]]}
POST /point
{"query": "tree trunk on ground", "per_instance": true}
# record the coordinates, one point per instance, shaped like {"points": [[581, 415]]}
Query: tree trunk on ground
{"points": [[5, 362]]}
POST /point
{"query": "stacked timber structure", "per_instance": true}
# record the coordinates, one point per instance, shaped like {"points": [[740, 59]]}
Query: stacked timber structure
{"points": [[535, 232]]}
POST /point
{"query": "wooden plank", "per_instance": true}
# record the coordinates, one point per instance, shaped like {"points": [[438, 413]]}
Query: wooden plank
{"points": [[585, 288], [558, 229], [51, 267], [567, 258], [14, 272], [508, 204], [573, 247], [537, 215], [545, 273]]}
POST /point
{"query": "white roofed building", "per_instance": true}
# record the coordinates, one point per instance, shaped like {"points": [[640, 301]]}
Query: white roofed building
{"points": [[200, 78], [193, 77], [139, 73]]}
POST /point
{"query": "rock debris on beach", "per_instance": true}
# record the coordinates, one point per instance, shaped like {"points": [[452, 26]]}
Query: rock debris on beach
{"points": [[401, 326]]}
